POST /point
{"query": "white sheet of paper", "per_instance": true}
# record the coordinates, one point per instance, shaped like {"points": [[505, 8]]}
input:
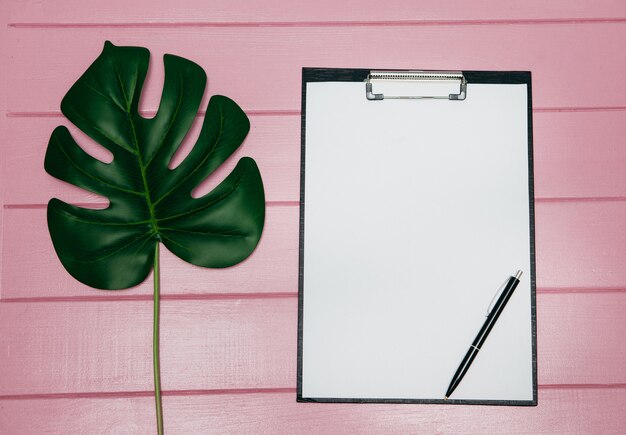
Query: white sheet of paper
{"points": [[416, 211]]}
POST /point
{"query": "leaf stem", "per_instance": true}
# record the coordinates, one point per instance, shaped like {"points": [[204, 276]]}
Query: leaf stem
{"points": [[155, 343]]}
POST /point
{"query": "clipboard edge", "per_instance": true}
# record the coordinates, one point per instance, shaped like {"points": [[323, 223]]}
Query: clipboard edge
{"points": [[316, 74], [526, 403], [319, 74]]}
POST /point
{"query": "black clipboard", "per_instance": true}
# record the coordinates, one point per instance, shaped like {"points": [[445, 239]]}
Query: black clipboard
{"points": [[416, 203]]}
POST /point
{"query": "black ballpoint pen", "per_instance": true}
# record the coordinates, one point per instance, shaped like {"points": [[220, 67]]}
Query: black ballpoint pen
{"points": [[492, 317]]}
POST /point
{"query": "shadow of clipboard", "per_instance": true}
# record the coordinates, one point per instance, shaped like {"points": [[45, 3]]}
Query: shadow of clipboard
{"points": [[413, 211]]}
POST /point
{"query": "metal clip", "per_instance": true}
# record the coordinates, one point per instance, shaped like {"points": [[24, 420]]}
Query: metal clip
{"points": [[416, 76]]}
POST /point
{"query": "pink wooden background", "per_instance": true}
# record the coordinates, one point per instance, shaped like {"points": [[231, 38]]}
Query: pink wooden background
{"points": [[78, 360]]}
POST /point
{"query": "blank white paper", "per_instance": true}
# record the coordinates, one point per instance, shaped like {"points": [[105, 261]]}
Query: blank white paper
{"points": [[415, 213]]}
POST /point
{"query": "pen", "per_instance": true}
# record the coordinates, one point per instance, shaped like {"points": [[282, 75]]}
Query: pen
{"points": [[492, 317]]}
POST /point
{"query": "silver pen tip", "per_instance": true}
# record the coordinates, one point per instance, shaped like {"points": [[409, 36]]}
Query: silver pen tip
{"points": [[518, 274]]}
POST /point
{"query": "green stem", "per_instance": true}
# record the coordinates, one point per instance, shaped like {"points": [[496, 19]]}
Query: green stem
{"points": [[155, 343]]}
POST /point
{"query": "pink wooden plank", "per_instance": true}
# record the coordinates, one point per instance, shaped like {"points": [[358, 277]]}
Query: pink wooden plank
{"points": [[577, 154], [580, 245], [570, 324], [274, 142], [580, 154], [259, 11], [33, 269], [569, 411], [260, 67], [107, 346], [94, 347], [82, 416], [3, 120]]}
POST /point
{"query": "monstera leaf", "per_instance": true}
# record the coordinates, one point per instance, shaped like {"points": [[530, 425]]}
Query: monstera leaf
{"points": [[149, 202]]}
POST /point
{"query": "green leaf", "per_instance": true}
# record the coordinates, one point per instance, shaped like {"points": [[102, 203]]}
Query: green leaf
{"points": [[113, 248]]}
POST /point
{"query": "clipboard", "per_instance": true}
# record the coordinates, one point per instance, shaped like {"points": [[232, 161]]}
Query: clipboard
{"points": [[416, 203]]}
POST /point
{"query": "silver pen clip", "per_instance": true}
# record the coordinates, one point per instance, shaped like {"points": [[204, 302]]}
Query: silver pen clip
{"points": [[517, 276]]}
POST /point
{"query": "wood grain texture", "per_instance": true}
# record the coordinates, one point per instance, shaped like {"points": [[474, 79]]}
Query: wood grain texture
{"points": [[220, 12], [94, 347], [4, 8], [577, 155], [260, 68], [107, 346], [228, 333], [587, 411], [33, 269], [579, 245]]}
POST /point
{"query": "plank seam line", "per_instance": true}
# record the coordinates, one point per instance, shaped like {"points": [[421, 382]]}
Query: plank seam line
{"points": [[547, 200], [557, 199], [243, 391], [146, 393], [579, 109], [295, 112], [152, 113], [338, 23], [581, 290], [249, 296], [148, 297], [101, 205], [581, 386]]}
